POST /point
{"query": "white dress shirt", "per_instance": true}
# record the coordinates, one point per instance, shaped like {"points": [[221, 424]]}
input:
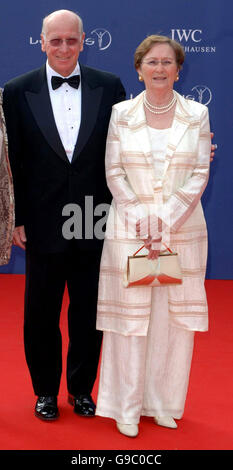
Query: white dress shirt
{"points": [[159, 141], [66, 105]]}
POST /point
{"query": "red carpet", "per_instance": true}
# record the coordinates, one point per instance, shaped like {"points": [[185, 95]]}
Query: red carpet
{"points": [[208, 419]]}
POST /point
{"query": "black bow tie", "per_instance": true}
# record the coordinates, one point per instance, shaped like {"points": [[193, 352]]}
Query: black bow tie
{"points": [[73, 81]]}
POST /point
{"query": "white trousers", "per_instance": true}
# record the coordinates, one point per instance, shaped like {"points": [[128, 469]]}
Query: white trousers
{"points": [[146, 375]]}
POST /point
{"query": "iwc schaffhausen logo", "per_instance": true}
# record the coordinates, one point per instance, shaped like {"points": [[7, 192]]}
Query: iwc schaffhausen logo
{"points": [[193, 40]]}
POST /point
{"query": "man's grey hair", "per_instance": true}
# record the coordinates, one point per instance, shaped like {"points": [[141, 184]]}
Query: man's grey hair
{"points": [[46, 18]]}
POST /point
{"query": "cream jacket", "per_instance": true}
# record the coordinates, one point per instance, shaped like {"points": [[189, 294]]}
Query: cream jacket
{"points": [[175, 199]]}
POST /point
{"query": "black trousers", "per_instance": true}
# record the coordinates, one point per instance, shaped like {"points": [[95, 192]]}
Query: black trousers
{"points": [[46, 278]]}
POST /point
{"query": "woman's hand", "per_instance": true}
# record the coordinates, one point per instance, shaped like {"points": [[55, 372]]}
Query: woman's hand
{"points": [[148, 227], [153, 246], [147, 242]]}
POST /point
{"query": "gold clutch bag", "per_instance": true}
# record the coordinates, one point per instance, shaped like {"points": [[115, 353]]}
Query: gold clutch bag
{"points": [[163, 271]]}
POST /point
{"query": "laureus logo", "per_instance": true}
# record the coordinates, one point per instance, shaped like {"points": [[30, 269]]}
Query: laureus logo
{"points": [[201, 93], [99, 37], [104, 38]]}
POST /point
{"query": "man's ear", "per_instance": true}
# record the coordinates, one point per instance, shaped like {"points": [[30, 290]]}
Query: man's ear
{"points": [[42, 42], [82, 42]]}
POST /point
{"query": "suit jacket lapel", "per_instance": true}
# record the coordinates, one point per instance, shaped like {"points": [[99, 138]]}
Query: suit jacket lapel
{"points": [[138, 125], [40, 105], [180, 124], [91, 99]]}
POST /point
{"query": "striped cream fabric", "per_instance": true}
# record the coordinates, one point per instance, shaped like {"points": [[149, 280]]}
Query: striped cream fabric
{"points": [[6, 195], [175, 199]]}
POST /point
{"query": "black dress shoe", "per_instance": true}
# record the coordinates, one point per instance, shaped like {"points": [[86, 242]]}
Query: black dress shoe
{"points": [[83, 404], [46, 408]]}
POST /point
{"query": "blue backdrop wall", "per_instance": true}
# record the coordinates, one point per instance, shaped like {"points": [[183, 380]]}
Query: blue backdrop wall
{"points": [[113, 31]]}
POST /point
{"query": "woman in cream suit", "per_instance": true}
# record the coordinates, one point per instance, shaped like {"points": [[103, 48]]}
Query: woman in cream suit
{"points": [[6, 195], [157, 167]]}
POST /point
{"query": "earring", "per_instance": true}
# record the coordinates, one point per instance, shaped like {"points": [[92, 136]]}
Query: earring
{"points": [[177, 78], [140, 78]]}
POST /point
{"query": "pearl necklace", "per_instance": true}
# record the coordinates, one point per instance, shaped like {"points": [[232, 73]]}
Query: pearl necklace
{"points": [[159, 109]]}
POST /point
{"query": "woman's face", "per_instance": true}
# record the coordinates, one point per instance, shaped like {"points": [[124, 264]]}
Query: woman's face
{"points": [[159, 68]]}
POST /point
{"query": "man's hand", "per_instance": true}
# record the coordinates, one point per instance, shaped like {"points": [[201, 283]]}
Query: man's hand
{"points": [[19, 237], [213, 147]]}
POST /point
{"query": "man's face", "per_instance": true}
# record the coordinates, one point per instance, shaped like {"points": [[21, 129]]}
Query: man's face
{"points": [[62, 42]]}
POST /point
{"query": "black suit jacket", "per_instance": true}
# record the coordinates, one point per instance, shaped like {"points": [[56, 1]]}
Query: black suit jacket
{"points": [[44, 179]]}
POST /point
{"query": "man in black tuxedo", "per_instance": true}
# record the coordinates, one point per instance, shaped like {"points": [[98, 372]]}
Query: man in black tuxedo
{"points": [[57, 133]]}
